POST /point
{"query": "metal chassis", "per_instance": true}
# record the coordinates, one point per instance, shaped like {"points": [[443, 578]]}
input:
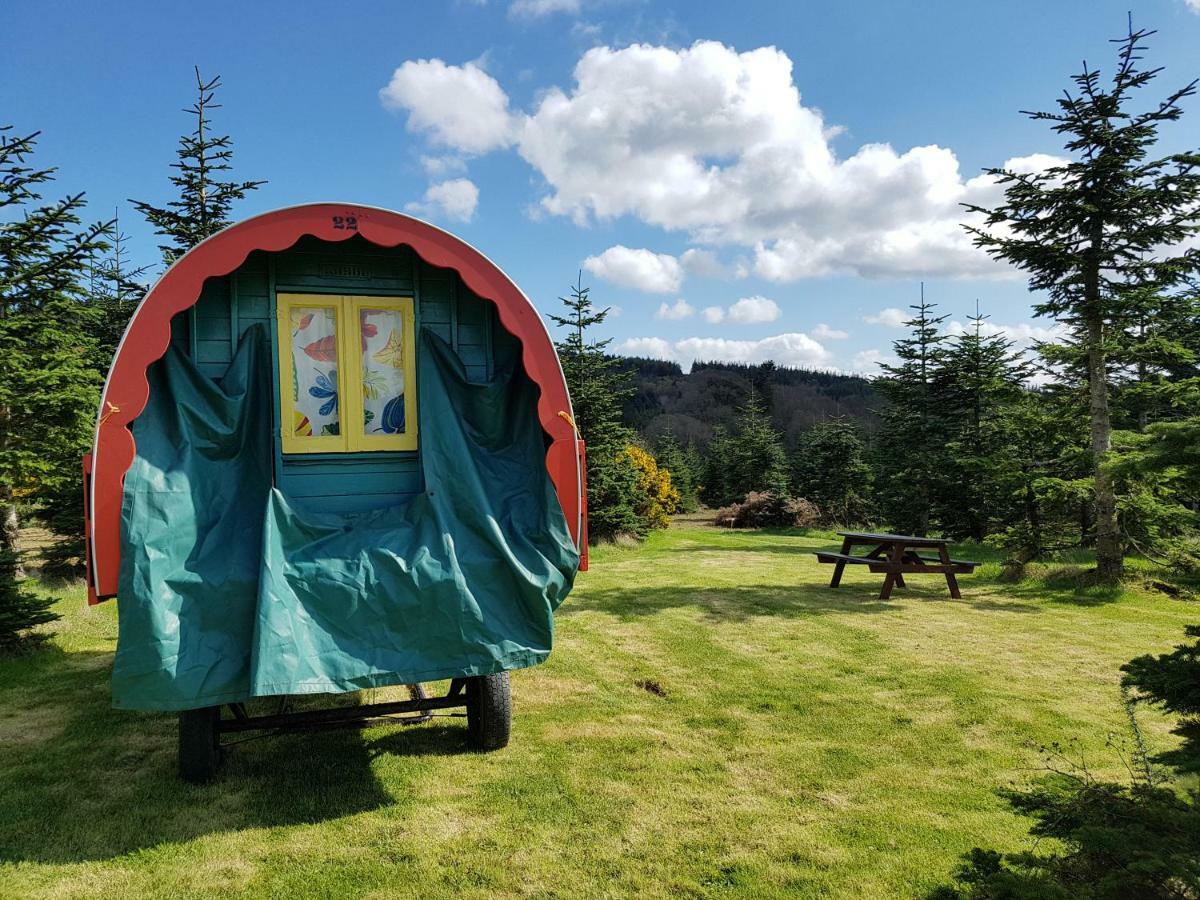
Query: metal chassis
{"points": [[397, 711]]}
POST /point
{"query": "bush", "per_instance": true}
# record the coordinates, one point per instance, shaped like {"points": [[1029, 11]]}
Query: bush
{"points": [[763, 509], [659, 498]]}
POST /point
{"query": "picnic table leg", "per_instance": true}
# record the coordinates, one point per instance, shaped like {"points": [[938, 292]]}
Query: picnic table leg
{"points": [[951, 581], [840, 567], [895, 558]]}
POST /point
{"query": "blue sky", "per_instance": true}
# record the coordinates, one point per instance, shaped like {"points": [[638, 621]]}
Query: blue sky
{"points": [[742, 181]]}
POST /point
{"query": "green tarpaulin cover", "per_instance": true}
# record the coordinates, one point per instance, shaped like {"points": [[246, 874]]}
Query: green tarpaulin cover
{"points": [[228, 592]]}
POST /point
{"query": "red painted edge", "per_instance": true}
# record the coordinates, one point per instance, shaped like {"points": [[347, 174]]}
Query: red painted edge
{"points": [[149, 333]]}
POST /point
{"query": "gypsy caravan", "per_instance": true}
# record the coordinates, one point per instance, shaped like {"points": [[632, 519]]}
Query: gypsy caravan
{"points": [[335, 451]]}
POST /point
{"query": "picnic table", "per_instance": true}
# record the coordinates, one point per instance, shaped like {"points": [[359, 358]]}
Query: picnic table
{"points": [[897, 555]]}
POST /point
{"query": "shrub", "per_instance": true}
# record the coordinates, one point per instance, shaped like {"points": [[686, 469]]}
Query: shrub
{"points": [[763, 509], [659, 498]]}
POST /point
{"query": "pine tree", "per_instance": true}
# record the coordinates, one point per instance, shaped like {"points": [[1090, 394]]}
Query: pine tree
{"points": [[205, 201], [114, 288], [48, 392], [911, 444], [757, 461], [830, 469], [714, 488], [598, 386], [1090, 234], [979, 381], [675, 459]]}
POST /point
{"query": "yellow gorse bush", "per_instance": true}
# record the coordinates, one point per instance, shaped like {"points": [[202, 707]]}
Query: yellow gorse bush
{"points": [[660, 496]]}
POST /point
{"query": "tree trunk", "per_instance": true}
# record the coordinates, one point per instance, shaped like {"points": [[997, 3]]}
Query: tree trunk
{"points": [[1109, 555], [9, 524]]}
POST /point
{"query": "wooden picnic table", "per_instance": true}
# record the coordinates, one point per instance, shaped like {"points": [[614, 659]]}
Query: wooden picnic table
{"points": [[897, 555]]}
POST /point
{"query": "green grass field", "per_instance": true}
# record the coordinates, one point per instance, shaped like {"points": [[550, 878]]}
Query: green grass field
{"points": [[714, 721]]}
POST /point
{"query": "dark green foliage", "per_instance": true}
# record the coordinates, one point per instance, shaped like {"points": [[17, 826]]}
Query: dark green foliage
{"points": [[830, 469], [598, 387], [1119, 842], [205, 202], [48, 388], [20, 609], [691, 406], [683, 464], [978, 383], [755, 459], [1102, 237], [910, 450]]}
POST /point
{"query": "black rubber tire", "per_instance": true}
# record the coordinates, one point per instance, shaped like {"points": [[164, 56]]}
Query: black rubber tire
{"points": [[199, 744], [489, 711]]}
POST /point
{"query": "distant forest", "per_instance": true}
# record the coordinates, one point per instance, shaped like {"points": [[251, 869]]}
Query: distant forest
{"points": [[690, 405]]}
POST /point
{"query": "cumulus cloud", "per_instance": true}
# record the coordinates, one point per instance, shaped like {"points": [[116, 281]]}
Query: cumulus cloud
{"points": [[454, 199], [718, 145], [867, 361], [713, 314], [753, 311], [1193, 5], [793, 349], [1023, 334], [462, 107], [825, 333], [701, 262], [891, 317], [536, 9], [441, 166], [680, 309], [645, 270]]}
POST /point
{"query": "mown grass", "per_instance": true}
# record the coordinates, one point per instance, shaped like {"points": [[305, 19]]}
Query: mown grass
{"points": [[714, 721]]}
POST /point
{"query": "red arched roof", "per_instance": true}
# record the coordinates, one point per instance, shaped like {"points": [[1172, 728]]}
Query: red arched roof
{"points": [[149, 332]]}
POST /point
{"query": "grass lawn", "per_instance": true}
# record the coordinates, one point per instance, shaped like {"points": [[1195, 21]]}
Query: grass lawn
{"points": [[805, 741]]}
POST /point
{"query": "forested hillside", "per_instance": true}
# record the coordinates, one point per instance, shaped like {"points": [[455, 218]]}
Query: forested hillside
{"points": [[690, 405]]}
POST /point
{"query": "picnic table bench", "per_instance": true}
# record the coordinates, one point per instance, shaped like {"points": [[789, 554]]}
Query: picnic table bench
{"points": [[897, 555]]}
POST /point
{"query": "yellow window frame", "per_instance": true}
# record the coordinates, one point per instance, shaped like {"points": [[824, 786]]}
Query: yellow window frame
{"points": [[347, 310]]}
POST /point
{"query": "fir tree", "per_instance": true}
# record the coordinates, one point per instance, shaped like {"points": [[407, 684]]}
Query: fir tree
{"points": [[979, 381], [48, 391], [679, 463], [205, 201], [830, 469], [757, 461], [1090, 234], [598, 386], [911, 444]]}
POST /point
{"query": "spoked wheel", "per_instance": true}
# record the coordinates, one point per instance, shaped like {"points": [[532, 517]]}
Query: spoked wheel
{"points": [[199, 744], [489, 711]]}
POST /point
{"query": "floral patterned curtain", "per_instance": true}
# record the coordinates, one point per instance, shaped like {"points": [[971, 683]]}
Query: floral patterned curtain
{"points": [[382, 370], [314, 371]]}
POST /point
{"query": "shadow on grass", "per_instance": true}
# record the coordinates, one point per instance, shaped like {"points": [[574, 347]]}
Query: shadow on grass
{"points": [[83, 781], [737, 604]]}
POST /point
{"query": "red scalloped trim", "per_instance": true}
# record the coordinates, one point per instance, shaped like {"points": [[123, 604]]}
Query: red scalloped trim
{"points": [[149, 333]]}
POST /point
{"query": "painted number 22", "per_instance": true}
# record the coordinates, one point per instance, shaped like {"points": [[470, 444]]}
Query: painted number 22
{"points": [[345, 223]]}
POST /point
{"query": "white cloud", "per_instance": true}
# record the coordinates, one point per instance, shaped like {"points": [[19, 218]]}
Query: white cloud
{"points": [[1024, 334], [536, 9], [825, 333], [796, 350], [718, 145], [753, 311], [713, 314], [441, 166], [891, 317], [453, 199], [701, 262], [462, 107], [1193, 5], [652, 347], [645, 270], [867, 361], [680, 309]]}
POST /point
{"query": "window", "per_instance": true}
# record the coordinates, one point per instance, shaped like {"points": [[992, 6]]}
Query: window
{"points": [[347, 373]]}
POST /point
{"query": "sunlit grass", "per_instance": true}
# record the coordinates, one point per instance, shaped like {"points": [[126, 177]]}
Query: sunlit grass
{"points": [[714, 721]]}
